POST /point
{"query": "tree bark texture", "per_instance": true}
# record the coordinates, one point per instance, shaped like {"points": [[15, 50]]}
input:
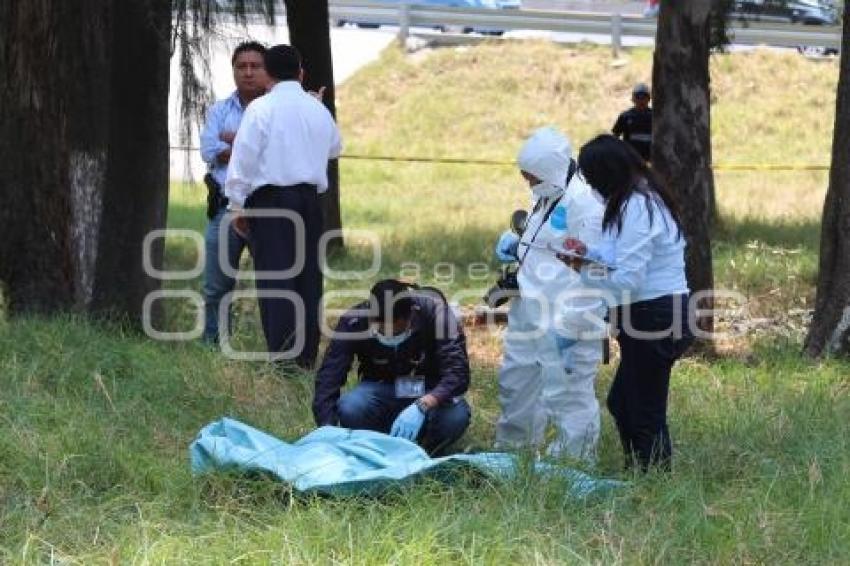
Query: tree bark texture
{"points": [[84, 145], [135, 199], [829, 332], [309, 32], [681, 135]]}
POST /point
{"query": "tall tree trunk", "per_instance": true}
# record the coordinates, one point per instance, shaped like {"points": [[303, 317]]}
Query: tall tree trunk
{"points": [[830, 329], [80, 175], [309, 32], [681, 135], [135, 199], [54, 141]]}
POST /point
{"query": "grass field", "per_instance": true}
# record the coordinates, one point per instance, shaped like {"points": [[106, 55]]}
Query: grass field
{"points": [[93, 461]]}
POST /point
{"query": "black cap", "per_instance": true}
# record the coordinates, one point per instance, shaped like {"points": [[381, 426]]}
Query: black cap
{"points": [[641, 89]]}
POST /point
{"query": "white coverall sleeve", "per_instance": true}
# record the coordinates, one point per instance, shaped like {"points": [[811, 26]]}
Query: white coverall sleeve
{"points": [[245, 159], [543, 277], [580, 313]]}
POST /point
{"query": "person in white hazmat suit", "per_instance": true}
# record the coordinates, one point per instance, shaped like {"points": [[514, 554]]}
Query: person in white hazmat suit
{"points": [[553, 343]]}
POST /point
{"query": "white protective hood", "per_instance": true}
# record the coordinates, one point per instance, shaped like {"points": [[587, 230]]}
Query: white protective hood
{"points": [[546, 155]]}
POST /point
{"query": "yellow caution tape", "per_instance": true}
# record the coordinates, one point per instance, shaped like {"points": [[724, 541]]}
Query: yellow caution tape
{"points": [[450, 160], [505, 163], [768, 167], [465, 161]]}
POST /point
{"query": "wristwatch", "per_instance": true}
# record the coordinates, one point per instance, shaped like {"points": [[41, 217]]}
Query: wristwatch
{"points": [[420, 404]]}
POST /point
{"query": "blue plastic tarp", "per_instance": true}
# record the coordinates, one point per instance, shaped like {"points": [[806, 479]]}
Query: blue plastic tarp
{"points": [[340, 461]]}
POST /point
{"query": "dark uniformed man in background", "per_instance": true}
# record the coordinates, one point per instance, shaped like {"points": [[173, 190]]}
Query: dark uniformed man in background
{"points": [[634, 125]]}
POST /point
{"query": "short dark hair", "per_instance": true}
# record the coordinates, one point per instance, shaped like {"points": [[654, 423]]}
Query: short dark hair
{"points": [[283, 62], [391, 300], [248, 46]]}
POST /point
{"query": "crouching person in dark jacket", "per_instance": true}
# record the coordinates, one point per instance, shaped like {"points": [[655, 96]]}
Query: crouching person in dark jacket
{"points": [[412, 363]]}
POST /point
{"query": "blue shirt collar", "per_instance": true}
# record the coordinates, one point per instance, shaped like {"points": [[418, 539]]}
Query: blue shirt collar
{"points": [[235, 100]]}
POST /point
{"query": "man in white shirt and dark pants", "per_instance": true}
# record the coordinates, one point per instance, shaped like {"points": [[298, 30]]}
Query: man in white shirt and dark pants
{"points": [[278, 167]]}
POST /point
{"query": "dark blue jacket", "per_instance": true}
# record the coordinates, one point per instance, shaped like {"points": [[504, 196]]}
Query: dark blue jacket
{"points": [[436, 350]]}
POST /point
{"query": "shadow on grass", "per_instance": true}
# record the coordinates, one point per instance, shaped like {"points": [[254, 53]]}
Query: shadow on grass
{"points": [[788, 233]]}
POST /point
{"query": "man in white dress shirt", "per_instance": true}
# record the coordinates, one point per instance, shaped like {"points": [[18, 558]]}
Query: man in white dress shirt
{"points": [[278, 167]]}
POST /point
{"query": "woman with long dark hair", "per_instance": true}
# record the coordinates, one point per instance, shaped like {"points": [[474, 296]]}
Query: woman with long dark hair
{"points": [[643, 248]]}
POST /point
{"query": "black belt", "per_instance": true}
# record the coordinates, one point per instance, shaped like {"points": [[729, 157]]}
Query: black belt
{"points": [[299, 186]]}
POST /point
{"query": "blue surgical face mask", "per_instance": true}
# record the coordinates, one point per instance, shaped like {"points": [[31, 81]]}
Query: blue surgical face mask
{"points": [[392, 341], [545, 189]]}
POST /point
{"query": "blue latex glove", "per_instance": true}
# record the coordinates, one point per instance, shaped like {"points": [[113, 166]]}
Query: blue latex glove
{"points": [[507, 246], [563, 343], [408, 423]]}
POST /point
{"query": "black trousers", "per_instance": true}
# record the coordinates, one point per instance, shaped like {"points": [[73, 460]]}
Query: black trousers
{"points": [[652, 335], [276, 246]]}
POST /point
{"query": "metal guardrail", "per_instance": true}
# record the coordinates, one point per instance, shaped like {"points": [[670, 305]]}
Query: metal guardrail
{"points": [[410, 15]]}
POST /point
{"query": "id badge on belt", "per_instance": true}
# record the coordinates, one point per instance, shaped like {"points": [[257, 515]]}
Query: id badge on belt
{"points": [[409, 387]]}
